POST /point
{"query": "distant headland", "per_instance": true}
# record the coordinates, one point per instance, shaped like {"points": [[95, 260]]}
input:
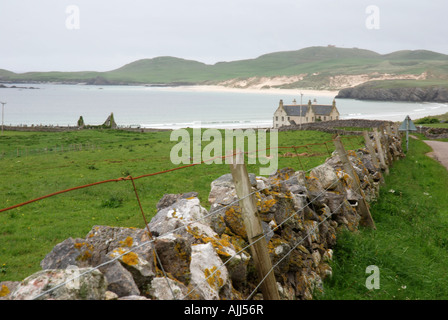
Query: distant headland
{"points": [[313, 68], [2, 86]]}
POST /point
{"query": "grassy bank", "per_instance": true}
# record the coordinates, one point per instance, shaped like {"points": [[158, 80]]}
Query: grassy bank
{"points": [[436, 125], [30, 232], [410, 245], [437, 121]]}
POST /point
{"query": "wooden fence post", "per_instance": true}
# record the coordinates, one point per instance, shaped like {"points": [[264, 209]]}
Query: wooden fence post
{"points": [[385, 143], [380, 150], [371, 149], [388, 129], [392, 147], [254, 230], [396, 131], [366, 217], [389, 146]]}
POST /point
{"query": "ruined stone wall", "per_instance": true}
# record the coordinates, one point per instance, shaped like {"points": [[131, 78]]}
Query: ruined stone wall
{"points": [[205, 253], [335, 125], [41, 128], [434, 133]]}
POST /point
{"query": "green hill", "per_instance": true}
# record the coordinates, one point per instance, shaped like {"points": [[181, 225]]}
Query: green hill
{"points": [[317, 65], [415, 55], [161, 70]]}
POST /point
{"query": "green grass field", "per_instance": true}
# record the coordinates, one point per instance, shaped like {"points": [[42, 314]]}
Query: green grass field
{"points": [[437, 121], [436, 125], [30, 232]]}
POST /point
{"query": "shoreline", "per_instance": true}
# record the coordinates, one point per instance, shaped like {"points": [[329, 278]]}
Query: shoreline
{"points": [[231, 125], [217, 88], [414, 113]]}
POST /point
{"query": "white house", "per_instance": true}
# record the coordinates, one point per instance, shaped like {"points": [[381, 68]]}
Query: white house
{"points": [[295, 114]]}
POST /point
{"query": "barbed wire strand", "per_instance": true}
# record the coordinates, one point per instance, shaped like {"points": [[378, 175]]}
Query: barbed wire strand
{"points": [[275, 228], [148, 242], [293, 248], [303, 239], [144, 176], [150, 236], [115, 180]]}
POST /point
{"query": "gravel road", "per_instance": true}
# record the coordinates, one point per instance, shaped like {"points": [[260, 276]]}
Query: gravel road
{"points": [[440, 151]]}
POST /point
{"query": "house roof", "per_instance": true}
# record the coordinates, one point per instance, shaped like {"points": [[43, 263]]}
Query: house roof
{"points": [[297, 110], [323, 110]]}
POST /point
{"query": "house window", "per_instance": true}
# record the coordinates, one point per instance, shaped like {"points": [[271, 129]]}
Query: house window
{"points": [[288, 118], [283, 118], [276, 118]]}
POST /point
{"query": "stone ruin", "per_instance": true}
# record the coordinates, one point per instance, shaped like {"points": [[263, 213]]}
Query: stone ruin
{"points": [[204, 253], [108, 124]]}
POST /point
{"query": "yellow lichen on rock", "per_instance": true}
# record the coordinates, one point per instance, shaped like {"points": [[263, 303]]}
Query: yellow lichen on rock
{"points": [[86, 250], [234, 221], [130, 258], [213, 278], [4, 291], [127, 242], [181, 253]]}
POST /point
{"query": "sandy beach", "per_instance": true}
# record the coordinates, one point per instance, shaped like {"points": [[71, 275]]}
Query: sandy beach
{"points": [[215, 88]]}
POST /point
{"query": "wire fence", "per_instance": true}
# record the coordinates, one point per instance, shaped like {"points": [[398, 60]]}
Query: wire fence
{"points": [[152, 239]]}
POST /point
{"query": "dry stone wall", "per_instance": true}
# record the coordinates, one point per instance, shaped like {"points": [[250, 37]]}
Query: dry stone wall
{"points": [[205, 253], [434, 133]]}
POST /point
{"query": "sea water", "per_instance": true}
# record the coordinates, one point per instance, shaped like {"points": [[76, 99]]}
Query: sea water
{"points": [[171, 108]]}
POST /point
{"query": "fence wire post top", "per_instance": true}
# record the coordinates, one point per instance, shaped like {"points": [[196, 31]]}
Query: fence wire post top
{"points": [[254, 229], [366, 217]]}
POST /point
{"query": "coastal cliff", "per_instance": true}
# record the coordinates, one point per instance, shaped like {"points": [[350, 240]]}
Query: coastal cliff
{"points": [[415, 93]]}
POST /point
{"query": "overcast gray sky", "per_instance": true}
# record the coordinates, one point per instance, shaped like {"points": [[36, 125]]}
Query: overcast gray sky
{"points": [[101, 35]]}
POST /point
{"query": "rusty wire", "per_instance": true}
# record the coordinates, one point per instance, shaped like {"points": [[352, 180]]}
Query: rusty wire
{"points": [[160, 172]]}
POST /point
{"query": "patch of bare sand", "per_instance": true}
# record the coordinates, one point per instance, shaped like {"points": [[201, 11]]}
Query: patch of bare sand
{"points": [[217, 88]]}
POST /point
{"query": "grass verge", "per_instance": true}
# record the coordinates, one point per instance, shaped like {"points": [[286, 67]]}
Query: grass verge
{"points": [[410, 245]]}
